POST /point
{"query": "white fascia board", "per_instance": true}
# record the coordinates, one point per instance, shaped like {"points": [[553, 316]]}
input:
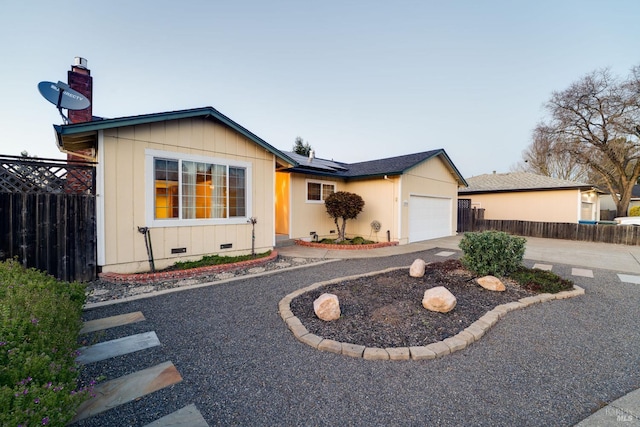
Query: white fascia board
{"points": [[100, 212]]}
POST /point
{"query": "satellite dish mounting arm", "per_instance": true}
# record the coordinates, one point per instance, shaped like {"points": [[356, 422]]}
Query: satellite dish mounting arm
{"points": [[62, 86]]}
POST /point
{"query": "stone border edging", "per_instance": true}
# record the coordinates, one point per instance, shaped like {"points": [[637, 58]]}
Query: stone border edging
{"points": [[462, 340], [181, 274], [345, 247]]}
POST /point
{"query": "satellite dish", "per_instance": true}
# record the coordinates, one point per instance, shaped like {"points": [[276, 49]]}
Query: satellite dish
{"points": [[62, 96]]}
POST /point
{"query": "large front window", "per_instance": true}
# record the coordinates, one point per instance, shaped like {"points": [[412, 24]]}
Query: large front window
{"points": [[197, 188]]}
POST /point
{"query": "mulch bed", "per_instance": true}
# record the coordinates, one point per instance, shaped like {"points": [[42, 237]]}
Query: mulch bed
{"points": [[386, 310], [346, 247]]}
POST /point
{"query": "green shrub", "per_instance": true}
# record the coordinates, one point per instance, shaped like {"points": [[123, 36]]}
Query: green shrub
{"points": [[358, 240], [208, 260], [39, 326], [540, 280], [492, 252], [634, 211]]}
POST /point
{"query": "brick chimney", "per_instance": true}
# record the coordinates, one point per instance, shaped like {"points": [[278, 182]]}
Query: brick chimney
{"points": [[79, 79]]}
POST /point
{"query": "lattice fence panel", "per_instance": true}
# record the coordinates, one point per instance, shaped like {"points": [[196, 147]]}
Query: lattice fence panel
{"points": [[28, 175]]}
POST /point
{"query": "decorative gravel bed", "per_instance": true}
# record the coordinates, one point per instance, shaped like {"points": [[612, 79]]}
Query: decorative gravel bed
{"points": [[103, 290], [386, 310]]}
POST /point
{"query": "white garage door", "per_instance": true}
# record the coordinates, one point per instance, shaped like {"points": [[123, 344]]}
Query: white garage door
{"points": [[429, 218]]}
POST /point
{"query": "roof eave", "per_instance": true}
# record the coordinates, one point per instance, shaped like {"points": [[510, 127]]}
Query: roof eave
{"points": [[347, 176], [341, 175], [95, 126], [374, 175], [524, 190], [315, 172], [452, 167]]}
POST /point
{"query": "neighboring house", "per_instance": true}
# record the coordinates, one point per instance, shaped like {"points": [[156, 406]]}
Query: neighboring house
{"points": [[412, 197], [196, 177], [530, 197]]}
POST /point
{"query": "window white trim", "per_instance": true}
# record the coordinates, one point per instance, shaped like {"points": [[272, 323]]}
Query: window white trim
{"points": [[321, 183], [151, 221]]}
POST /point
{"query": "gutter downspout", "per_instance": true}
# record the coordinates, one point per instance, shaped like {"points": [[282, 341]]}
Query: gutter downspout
{"points": [[147, 241]]}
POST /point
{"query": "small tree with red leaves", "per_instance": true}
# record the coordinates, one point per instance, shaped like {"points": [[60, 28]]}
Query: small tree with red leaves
{"points": [[345, 205]]}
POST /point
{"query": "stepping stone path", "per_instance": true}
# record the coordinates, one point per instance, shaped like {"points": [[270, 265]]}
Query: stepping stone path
{"points": [[111, 394], [628, 278], [579, 272], [445, 253], [108, 349], [582, 272]]}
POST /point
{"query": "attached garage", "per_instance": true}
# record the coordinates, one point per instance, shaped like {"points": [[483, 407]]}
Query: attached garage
{"points": [[429, 217]]}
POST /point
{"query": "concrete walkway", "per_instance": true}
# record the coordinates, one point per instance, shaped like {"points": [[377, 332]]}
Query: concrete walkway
{"points": [[620, 258]]}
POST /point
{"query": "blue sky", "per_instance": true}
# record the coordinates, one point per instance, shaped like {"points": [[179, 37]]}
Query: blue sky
{"points": [[357, 80]]}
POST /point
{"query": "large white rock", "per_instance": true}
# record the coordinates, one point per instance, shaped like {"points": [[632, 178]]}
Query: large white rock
{"points": [[417, 268], [327, 307], [491, 283], [439, 299]]}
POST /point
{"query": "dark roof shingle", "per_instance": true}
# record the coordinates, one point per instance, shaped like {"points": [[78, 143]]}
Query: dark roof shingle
{"points": [[372, 168]]}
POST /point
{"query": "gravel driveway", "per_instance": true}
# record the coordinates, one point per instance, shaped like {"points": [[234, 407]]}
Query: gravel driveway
{"points": [[548, 364]]}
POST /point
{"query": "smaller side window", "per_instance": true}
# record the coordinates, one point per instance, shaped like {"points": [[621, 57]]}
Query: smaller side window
{"points": [[327, 190], [314, 191], [166, 188], [318, 191]]}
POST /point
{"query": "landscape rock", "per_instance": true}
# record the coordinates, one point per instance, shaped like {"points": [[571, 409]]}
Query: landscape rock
{"points": [[491, 283], [327, 307], [417, 268], [439, 299]]}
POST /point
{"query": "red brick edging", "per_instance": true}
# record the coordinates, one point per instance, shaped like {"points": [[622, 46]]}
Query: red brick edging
{"points": [[181, 274], [346, 247]]}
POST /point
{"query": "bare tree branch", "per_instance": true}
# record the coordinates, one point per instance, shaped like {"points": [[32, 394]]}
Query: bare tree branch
{"points": [[593, 132]]}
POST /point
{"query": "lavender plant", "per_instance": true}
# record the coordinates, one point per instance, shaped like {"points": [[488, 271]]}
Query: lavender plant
{"points": [[39, 327]]}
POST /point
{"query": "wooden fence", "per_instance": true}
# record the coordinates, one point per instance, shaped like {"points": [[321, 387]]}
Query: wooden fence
{"points": [[467, 215], [605, 233], [47, 216]]}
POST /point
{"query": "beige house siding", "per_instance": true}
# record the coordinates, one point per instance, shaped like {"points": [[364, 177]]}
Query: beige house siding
{"points": [[384, 201], [310, 216], [431, 179], [380, 203], [544, 206], [376, 193], [126, 201]]}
